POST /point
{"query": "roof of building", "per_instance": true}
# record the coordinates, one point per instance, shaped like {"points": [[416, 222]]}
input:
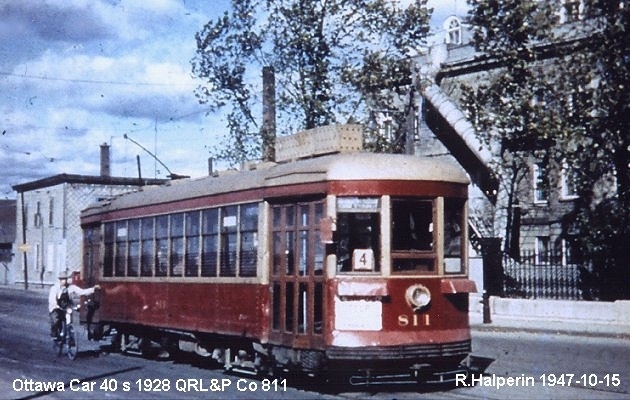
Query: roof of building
{"points": [[85, 179]]}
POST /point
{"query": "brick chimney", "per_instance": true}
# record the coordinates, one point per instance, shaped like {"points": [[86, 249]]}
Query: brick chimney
{"points": [[269, 114], [105, 162]]}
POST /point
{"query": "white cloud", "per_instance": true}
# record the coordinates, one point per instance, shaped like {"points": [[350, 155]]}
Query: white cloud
{"points": [[78, 73]]}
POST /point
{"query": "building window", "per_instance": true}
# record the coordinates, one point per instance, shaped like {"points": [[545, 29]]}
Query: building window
{"points": [[541, 182], [51, 208], [453, 28], [37, 218], [570, 251], [571, 11], [25, 215], [542, 249], [567, 183]]}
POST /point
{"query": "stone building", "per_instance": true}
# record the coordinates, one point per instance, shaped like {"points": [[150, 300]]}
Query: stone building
{"points": [[48, 231], [535, 222]]}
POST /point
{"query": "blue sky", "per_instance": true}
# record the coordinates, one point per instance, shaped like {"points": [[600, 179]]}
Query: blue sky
{"points": [[78, 73]]}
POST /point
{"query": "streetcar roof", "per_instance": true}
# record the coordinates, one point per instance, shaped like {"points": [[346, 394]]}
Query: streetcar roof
{"points": [[337, 167]]}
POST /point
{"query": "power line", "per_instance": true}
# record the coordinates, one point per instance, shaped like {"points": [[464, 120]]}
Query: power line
{"points": [[91, 81], [174, 119]]}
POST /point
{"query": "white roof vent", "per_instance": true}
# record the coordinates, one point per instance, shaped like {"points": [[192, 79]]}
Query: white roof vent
{"points": [[320, 141]]}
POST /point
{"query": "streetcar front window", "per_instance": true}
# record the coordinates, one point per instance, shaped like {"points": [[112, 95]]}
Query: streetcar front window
{"points": [[413, 248], [358, 242]]}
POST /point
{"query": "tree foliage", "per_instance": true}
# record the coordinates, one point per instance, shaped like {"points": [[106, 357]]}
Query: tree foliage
{"points": [[562, 94], [335, 60]]}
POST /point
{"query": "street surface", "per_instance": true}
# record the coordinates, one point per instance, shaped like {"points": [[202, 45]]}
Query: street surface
{"points": [[521, 366]]}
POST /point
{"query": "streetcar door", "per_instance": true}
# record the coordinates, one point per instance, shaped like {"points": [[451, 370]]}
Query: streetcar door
{"points": [[297, 274]]}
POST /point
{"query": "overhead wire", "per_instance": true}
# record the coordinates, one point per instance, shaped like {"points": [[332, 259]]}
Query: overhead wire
{"points": [[91, 81]]}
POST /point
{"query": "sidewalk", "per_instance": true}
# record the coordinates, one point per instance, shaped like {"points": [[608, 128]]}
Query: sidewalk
{"points": [[583, 318], [541, 325]]}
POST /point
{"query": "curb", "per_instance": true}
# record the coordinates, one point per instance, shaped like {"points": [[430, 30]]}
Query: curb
{"points": [[492, 328]]}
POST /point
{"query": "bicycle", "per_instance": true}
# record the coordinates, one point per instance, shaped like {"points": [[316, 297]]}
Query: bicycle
{"points": [[66, 340]]}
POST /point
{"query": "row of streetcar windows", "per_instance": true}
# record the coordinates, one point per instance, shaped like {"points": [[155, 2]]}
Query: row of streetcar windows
{"points": [[223, 241], [202, 243]]}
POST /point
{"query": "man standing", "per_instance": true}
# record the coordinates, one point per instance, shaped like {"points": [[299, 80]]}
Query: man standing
{"points": [[60, 302]]}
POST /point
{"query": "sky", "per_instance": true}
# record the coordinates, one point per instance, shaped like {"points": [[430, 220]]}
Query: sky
{"points": [[75, 74]]}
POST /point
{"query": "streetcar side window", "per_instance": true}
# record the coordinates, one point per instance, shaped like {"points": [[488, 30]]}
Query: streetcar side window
{"points": [[133, 258], [413, 248], [191, 266], [146, 257], [249, 239], [161, 243], [109, 238], [177, 244], [214, 242], [210, 234], [454, 225], [120, 261], [229, 229]]}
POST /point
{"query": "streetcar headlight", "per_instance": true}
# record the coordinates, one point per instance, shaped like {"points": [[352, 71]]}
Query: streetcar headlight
{"points": [[418, 296]]}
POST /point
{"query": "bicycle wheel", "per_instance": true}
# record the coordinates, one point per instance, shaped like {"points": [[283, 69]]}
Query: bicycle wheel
{"points": [[58, 345], [71, 343]]}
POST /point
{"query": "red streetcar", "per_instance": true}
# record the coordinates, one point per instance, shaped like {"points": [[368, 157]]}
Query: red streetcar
{"points": [[351, 262]]}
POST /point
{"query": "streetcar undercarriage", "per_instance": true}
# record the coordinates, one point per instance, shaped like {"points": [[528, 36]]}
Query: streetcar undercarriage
{"points": [[357, 367]]}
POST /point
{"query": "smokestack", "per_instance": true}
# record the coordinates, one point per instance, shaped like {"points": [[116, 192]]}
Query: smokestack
{"points": [[105, 163], [269, 114]]}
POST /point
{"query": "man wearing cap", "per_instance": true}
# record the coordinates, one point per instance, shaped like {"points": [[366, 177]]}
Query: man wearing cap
{"points": [[60, 301]]}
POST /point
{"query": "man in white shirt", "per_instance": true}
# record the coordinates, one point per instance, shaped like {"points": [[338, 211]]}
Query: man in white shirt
{"points": [[60, 301]]}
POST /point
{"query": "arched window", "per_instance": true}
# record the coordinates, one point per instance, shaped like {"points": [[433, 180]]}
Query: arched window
{"points": [[453, 27]]}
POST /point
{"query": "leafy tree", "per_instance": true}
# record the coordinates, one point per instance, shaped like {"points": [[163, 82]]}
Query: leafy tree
{"points": [[563, 94], [596, 79], [335, 60], [501, 108]]}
